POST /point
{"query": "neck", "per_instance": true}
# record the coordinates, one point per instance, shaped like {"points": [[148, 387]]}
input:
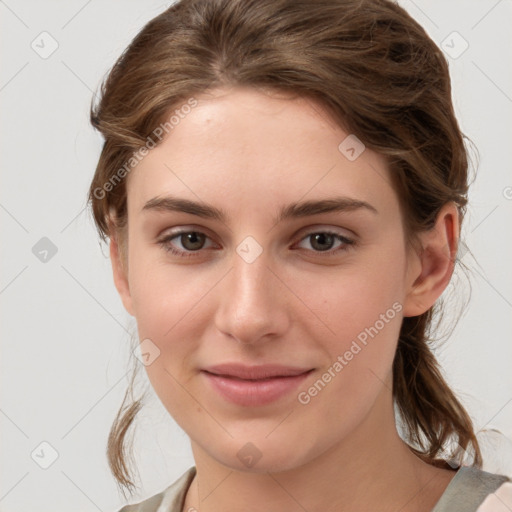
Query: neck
{"points": [[371, 469]]}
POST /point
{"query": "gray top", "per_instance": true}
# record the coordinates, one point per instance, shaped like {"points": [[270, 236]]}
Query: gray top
{"points": [[466, 491]]}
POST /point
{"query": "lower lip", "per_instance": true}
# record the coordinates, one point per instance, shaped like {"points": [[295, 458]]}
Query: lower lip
{"points": [[254, 392]]}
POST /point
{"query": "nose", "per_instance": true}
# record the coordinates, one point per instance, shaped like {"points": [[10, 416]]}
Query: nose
{"points": [[252, 302]]}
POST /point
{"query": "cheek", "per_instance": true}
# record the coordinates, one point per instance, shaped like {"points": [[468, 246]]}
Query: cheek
{"points": [[172, 306], [163, 295], [363, 331], [352, 299], [166, 303], [362, 309]]}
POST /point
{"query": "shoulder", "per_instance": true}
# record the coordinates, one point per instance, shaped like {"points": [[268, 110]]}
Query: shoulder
{"points": [[169, 500], [471, 489], [498, 501]]}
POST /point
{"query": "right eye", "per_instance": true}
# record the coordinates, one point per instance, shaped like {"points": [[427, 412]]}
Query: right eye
{"points": [[189, 242]]}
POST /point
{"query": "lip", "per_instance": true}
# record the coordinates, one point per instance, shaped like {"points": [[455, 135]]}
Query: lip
{"points": [[254, 385]]}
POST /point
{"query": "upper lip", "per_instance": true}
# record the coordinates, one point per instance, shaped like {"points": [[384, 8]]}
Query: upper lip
{"points": [[255, 372]]}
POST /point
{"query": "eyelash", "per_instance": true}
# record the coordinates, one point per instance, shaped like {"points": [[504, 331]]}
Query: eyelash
{"points": [[165, 243]]}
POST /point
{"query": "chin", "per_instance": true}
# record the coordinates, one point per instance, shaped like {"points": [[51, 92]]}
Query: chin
{"points": [[261, 457]]}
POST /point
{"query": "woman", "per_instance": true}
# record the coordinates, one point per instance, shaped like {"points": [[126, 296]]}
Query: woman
{"points": [[282, 184]]}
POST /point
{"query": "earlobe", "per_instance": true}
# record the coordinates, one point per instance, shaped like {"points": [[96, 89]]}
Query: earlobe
{"points": [[433, 266], [120, 275]]}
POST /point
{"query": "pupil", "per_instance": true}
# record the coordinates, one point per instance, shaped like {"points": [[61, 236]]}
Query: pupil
{"points": [[192, 241], [322, 238]]}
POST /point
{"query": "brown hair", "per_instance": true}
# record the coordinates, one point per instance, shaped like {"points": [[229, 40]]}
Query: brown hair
{"points": [[375, 70]]}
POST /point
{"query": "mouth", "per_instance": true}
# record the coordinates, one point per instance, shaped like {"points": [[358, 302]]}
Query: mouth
{"points": [[268, 371], [254, 386]]}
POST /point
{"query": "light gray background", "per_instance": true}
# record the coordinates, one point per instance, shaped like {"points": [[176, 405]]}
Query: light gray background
{"points": [[65, 335]]}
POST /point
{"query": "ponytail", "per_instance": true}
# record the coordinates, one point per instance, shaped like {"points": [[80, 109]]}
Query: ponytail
{"points": [[431, 414]]}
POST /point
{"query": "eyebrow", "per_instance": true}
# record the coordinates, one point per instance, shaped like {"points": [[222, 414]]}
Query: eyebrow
{"points": [[293, 210]]}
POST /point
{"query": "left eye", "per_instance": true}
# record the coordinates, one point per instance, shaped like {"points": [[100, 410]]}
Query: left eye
{"points": [[323, 241]]}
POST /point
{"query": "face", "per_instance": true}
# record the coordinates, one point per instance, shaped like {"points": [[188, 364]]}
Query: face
{"points": [[254, 239]]}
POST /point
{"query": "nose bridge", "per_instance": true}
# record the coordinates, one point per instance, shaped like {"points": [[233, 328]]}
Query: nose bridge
{"points": [[250, 274], [252, 279], [250, 303]]}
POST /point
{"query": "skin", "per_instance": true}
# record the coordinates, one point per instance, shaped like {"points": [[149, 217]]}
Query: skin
{"points": [[251, 153]]}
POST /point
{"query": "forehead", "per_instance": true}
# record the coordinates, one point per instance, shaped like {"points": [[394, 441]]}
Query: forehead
{"points": [[246, 148]]}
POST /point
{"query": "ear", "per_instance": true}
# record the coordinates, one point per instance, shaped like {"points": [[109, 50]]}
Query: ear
{"points": [[430, 269], [120, 272]]}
